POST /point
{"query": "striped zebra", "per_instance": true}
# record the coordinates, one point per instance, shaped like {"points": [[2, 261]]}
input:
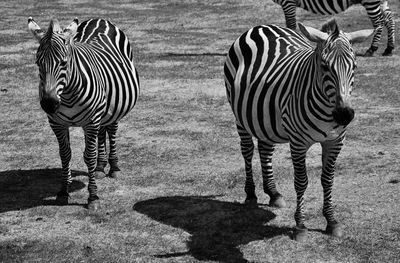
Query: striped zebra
{"points": [[87, 79], [282, 90], [377, 10]]}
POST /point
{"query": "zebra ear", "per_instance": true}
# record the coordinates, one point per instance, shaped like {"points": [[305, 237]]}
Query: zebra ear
{"points": [[360, 36], [331, 28], [35, 29], [312, 34], [70, 31]]}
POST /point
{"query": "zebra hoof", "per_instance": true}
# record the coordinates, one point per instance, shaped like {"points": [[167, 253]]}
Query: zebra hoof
{"points": [[93, 205], [277, 202], [335, 230], [251, 202], [369, 53], [99, 174], [114, 174], [387, 53], [62, 199], [300, 234]]}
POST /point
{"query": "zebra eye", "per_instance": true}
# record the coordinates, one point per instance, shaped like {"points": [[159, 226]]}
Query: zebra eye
{"points": [[325, 67], [63, 62]]}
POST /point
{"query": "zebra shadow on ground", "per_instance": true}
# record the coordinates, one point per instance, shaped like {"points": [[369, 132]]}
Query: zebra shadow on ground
{"points": [[217, 228], [22, 189]]}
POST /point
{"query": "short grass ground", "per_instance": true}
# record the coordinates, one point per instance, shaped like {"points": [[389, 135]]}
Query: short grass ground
{"points": [[180, 196]]}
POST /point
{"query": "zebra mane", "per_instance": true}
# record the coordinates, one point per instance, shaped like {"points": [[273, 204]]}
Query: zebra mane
{"points": [[54, 26], [331, 27]]}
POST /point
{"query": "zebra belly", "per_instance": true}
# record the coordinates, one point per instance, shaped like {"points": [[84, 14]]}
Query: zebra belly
{"points": [[323, 7], [117, 108], [262, 122]]}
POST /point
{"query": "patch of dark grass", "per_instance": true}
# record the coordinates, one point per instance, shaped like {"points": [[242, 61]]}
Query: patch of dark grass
{"points": [[22, 189]]}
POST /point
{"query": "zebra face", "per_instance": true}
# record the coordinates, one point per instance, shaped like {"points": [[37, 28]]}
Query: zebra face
{"points": [[52, 60], [337, 65], [337, 69]]}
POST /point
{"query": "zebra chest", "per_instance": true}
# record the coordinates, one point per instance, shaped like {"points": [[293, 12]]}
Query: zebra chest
{"points": [[80, 110], [300, 121], [310, 130]]}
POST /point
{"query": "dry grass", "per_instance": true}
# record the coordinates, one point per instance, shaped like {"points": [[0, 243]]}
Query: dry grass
{"points": [[179, 199]]}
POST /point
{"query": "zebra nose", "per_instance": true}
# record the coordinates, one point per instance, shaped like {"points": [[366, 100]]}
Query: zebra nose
{"points": [[50, 104], [343, 115]]}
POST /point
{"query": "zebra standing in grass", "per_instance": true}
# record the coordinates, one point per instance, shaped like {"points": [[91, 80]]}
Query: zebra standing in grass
{"points": [[87, 79], [377, 10], [282, 90]]}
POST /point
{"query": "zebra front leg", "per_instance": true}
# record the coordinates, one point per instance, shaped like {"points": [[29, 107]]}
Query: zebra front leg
{"points": [[298, 154], [112, 157], [102, 154], [266, 151], [247, 149], [90, 158], [62, 134], [330, 152]]}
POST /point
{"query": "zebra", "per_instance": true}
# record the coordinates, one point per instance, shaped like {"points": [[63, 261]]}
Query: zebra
{"points": [[282, 90], [88, 80], [377, 10]]}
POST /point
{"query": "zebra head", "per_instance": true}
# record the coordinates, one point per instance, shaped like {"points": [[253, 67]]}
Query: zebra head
{"points": [[335, 65], [52, 59]]}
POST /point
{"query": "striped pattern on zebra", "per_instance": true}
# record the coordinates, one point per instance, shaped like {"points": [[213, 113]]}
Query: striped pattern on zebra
{"points": [[377, 10], [87, 79], [283, 90]]}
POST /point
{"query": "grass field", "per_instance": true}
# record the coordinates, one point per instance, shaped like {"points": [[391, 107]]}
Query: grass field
{"points": [[180, 196]]}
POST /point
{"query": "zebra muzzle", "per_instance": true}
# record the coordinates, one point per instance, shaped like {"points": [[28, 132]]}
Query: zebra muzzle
{"points": [[50, 104], [343, 115]]}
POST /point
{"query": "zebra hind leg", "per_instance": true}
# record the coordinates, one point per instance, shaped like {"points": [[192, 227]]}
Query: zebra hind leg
{"points": [[247, 149], [266, 151], [113, 158], [101, 155]]}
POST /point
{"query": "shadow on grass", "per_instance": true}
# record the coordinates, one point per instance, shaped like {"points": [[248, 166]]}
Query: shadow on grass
{"points": [[217, 228], [22, 189]]}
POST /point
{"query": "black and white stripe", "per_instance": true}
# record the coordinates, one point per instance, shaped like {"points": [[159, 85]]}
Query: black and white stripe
{"points": [[87, 79], [283, 90], [377, 10]]}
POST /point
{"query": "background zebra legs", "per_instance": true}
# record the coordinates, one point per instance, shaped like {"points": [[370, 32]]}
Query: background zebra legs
{"points": [[62, 134], [111, 130], [247, 148], [289, 10], [266, 151], [376, 16], [389, 24], [330, 152], [90, 158]]}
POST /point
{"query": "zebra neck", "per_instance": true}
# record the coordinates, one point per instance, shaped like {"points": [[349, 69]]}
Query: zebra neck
{"points": [[82, 66], [315, 95]]}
